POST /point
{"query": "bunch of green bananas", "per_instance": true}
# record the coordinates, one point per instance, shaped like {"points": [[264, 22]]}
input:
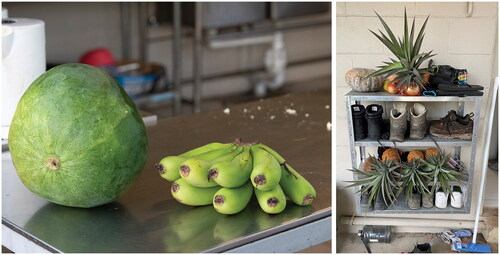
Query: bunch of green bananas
{"points": [[226, 174]]}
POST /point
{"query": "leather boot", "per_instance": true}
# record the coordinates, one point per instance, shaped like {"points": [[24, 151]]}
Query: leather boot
{"points": [[359, 122], [374, 120], [418, 121], [398, 122]]}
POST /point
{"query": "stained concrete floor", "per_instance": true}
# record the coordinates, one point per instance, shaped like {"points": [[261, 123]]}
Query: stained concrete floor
{"points": [[402, 242]]}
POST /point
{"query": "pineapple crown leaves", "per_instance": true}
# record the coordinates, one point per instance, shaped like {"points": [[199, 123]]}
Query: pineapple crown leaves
{"points": [[415, 177], [407, 51], [382, 181], [442, 173]]}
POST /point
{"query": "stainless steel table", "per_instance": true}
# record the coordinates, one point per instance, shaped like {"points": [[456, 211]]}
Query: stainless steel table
{"points": [[147, 219]]}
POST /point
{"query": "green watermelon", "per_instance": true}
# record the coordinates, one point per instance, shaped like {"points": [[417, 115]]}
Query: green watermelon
{"points": [[76, 138]]}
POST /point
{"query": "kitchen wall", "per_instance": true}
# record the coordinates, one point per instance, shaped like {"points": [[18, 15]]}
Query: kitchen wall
{"points": [[459, 41], [73, 28]]}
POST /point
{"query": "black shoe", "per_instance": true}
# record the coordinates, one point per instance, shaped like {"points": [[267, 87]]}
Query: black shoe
{"points": [[359, 122], [422, 248], [379, 202], [364, 202], [375, 122]]}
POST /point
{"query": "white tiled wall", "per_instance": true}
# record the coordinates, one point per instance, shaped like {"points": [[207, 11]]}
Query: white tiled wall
{"points": [[460, 41]]}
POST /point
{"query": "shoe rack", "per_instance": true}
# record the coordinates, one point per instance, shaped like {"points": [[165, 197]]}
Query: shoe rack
{"points": [[358, 148]]}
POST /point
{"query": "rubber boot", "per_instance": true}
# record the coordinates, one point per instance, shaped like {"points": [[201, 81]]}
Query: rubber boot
{"points": [[359, 122], [418, 121], [398, 122], [374, 120]]}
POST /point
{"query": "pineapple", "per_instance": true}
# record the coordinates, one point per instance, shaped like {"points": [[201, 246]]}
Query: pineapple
{"points": [[391, 154], [367, 164], [415, 155], [431, 151]]}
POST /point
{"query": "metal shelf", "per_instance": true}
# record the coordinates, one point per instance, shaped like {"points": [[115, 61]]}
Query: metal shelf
{"points": [[386, 96], [356, 159], [400, 206], [427, 141]]}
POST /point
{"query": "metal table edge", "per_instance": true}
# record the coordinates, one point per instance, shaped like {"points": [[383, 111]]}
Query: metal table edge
{"points": [[28, 236], [327, 212]]}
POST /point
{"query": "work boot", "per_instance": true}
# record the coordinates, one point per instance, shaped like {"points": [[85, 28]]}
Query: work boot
{"points": [[428, 199], [374, 120], [453, 126], [414, 200], [418, 122], [398, 122], [359, 122]]}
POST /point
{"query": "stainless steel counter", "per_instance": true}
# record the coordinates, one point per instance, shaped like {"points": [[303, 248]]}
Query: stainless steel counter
{"points": [[147, 219]]}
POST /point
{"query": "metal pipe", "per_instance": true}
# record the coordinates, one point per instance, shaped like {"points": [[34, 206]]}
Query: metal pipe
{"points": [[126, 29], [177, 57], [218, 44], [408, 222], [485, 157], [197, 57], [142, 31]]}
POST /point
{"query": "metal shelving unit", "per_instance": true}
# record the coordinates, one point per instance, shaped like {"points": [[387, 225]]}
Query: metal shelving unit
{"points": [[357, 157]]}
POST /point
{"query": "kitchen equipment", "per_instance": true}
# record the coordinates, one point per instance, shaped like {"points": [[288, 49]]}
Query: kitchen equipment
{"points": [[374, 234], [23, 60]]}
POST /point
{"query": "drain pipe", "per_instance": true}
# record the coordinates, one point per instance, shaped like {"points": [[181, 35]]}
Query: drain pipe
{"points": [[406, 222], [275, 60]]}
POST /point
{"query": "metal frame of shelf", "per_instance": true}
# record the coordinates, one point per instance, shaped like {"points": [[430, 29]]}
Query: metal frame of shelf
{"points": [[401, 207]]}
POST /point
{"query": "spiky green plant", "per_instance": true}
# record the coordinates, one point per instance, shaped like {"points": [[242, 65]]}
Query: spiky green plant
{"points": [[442, 173], [415, 176], [406, 66], [381, 181]]}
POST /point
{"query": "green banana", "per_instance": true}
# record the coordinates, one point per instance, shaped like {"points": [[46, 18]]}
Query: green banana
{"points": [[232, 174], [266, 172], [195, 170], [191, 195], [277, 156], [296, 187], [272, 201], [206, 148], [232, 201], [168, 167]]}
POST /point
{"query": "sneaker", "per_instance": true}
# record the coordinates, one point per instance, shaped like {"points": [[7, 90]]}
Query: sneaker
{"points": [[453, 126], [457, 200], [449, 237], [441, 199]]}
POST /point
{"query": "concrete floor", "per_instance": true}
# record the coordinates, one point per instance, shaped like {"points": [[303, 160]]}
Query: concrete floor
{"points": [[401, 242]]}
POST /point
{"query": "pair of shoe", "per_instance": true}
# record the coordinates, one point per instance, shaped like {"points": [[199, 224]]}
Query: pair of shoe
{"points": [[456, 200], [367, 122], [399, 124], [453, 126], [377, 204]]}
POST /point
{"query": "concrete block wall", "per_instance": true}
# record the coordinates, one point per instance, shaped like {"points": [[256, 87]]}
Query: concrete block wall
{"points": [[460, 41]]}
